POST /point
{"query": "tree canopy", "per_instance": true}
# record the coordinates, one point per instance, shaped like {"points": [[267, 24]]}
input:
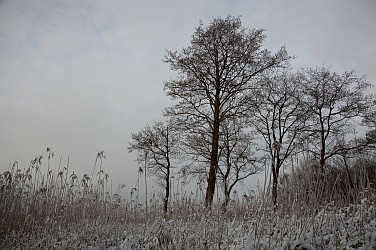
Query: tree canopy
{"points": [[217, 76]]}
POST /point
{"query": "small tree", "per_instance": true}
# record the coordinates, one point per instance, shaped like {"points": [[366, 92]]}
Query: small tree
{"points": [[237, 160], [156, 147], [280, 118], [217, 76], [335, 101]]}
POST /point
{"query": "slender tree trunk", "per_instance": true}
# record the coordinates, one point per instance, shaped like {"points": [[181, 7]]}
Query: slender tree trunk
{"points": [[276, 165], [167, 194], [146, 188], [274, 183], [322, 149], [321, 179], [322, 160], [227, 193]]}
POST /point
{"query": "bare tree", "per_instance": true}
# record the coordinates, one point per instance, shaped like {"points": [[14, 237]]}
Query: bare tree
{"points": [[280, 118], [216, 76], [156, 147], [335, 101], [237, 159]]}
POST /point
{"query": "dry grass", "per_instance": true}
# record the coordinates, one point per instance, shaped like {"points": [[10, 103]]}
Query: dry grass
{"points": [[59, 210], [33, 201]]}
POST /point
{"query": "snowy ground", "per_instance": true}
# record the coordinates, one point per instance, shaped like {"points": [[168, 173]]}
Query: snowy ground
{"points": [[352, 227]]}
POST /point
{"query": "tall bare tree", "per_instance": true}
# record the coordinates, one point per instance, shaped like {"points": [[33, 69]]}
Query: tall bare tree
{"points": [[280, 118], [335, 101], [216, 77], [156, 147]]}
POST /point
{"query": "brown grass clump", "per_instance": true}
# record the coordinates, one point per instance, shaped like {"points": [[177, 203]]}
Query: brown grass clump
{"points": [[33, 201]]}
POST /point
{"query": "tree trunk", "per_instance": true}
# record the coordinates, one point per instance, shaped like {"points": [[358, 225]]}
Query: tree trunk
{"points": [[227, 193], [322, 161], [167, 194], [274, 150], [167, 191], [322, 149], [274, 184], [214, 153], [146, 189], [213, 167], [276, 165]]}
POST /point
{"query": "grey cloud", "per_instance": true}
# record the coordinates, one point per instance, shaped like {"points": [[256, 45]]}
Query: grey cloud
{"points": [[80, 76]]}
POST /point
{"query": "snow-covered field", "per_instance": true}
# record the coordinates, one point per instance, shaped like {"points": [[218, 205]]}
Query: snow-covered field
{"points": [[67, 213], [348, 228], [249, 226]]}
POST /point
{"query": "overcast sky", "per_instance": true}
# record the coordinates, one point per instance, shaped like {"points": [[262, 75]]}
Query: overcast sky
{"points": [[80, 76]]}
